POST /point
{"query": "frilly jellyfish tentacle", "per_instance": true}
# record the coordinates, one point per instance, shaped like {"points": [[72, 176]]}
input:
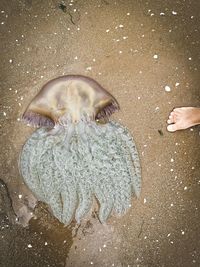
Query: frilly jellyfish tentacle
{"points": [[118, 171], [63, 177], [46, 168], [81, 131], [132, 159], [83, 177], [85, 199], [68, 135], [103, 183], [67, 189], [110, 163], [29, 161], [105, 197], [69, 201]]}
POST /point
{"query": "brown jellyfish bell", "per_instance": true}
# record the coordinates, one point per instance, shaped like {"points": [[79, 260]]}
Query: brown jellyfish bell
{"points": [[78, 154]]}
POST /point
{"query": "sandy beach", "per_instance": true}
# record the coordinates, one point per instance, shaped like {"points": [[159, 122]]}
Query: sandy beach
{"points": [[146, 54]]}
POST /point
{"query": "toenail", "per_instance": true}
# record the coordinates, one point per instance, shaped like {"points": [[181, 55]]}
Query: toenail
{"points": [[171, 128]]}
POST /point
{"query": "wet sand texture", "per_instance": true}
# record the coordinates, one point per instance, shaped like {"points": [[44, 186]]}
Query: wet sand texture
{"points": [[146, 54]]}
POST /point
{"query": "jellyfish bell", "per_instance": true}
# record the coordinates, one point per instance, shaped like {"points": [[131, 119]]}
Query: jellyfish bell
{"points": [[70, 97], [78, 154]]}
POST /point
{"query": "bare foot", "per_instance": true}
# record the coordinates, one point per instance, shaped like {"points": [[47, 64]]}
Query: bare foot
{"points": [[183, 118]]}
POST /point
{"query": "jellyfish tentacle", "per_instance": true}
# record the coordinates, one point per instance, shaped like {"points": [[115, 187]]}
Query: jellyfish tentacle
{"points": [[46, 168], [69, 134], [132, 159], [68, 195], [42, 157], [122, 179], [69, 201], [122, 199], [25, 157], [105, 198], [85, 202], [63, 177], [53, 188], [104, 184], [55, 204], [81, 131], [122, 187], [43, 153], [113, 161], [81, 189], [28, 161], [131, 156]]}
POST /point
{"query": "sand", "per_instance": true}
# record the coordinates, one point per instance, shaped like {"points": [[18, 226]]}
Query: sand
{"points": [[135, 49]]}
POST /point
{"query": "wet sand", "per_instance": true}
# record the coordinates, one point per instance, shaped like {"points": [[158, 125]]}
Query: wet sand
{"points": [[134, 49]]}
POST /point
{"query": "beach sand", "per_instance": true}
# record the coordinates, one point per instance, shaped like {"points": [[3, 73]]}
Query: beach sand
{"points": [[147, 55]]}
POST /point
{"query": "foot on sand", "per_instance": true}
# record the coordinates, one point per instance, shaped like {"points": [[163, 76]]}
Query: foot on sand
{"points": [[183, 118]]}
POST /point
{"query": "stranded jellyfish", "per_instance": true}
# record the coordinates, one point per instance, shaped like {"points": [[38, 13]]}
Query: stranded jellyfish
{"points": [[78, 154]]}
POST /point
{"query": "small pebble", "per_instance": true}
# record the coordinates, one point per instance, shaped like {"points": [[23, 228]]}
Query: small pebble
{"points": [[167, 88]]}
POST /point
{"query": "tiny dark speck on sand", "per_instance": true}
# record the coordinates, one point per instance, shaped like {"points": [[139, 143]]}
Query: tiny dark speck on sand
{"points": [[62, 7], [160, 132]]}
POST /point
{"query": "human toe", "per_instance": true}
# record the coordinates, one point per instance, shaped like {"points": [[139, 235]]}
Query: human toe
{"points": [[171, 118], [172, 128]]}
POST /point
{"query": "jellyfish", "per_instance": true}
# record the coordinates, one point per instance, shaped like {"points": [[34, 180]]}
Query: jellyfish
{"points": [[78, 155]]}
